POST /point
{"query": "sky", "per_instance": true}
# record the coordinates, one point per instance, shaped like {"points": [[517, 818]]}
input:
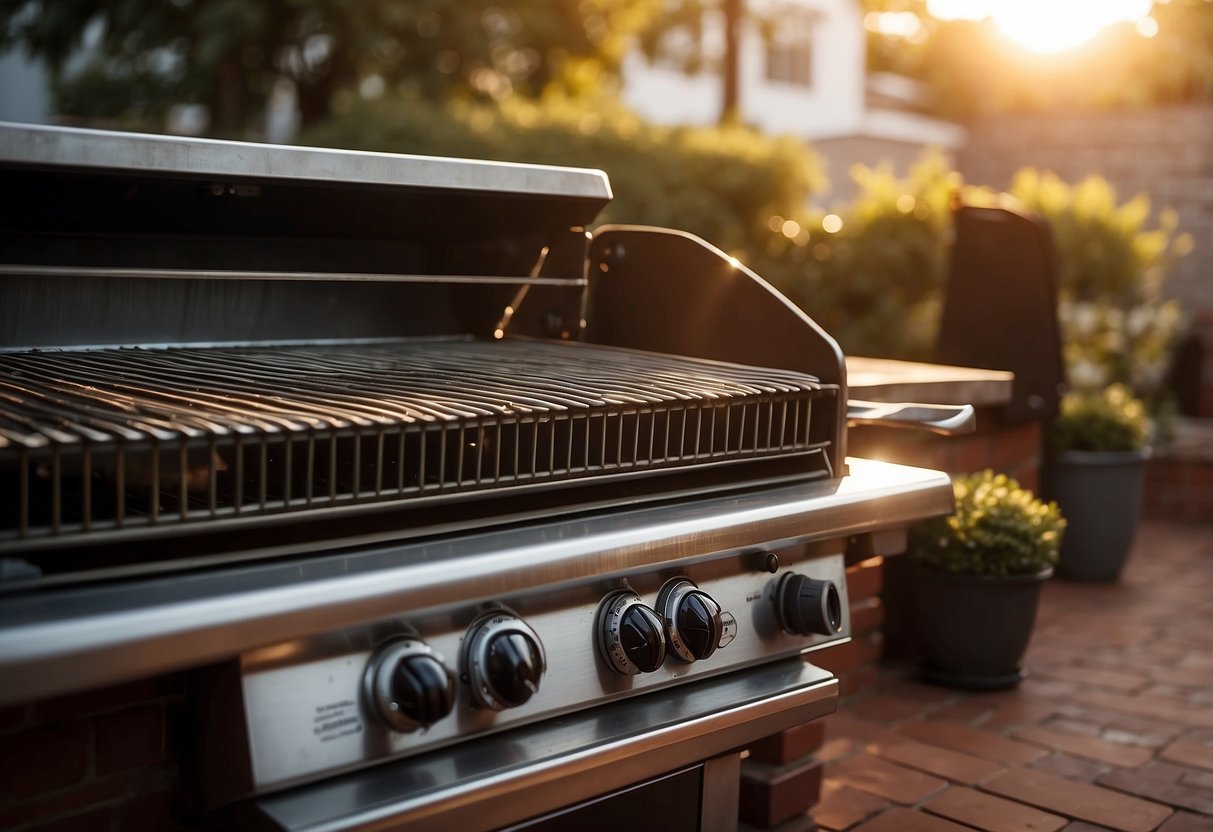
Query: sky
{"points": [[1049, 25]]}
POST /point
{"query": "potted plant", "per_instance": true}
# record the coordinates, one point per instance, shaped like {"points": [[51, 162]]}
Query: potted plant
{"points": [[977, 580], [1095, 470]]}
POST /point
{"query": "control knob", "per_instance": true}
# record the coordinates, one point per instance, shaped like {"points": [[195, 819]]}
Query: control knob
{"points": [[630, 636], [503, 661], [694, 623], [805, 606], [407, 686]]}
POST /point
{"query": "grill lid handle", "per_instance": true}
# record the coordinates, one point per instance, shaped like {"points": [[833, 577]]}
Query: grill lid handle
{"points": [[945, 419]]}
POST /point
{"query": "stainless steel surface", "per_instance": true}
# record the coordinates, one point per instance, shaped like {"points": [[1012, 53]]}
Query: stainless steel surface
{"points": [[378, 696], [284, 686], [506, 778], [39, 145], [889, 380], [608, 631], [113, 439], [98, 272], [74, 639], [668, 602], [474, 658], [724, 311], [948, 420]]}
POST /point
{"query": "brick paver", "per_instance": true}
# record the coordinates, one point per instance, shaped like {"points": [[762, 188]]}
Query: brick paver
{"points": [[1186, 822], [841, 807], [952, 765], [1164, 783], [993, 814], [975, 742], [1079, 800], [1089, 747], [1189, 754], [904, 820], [1113, 729], [892, 782]]}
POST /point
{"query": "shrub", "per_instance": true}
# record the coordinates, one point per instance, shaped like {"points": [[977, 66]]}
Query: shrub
{"points": [[873, 278], [1105, 251], [1104, 420], [998, 529], [1110, 266]]}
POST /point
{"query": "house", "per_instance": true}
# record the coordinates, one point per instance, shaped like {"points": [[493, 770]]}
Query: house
{"points": [[801, 71]]}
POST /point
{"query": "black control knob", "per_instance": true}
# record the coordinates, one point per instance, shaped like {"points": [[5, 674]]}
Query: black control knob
{"points": [[503, 661], [630, 636], [424, 690], [407, 686], [694, 623], [806, 606], [514, 668]]}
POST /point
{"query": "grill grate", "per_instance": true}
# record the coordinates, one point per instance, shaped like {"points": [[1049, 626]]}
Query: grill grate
{"points": [[112, 439]]}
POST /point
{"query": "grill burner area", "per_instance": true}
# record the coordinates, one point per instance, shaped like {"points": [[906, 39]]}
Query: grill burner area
{"points": [[116, 439]]}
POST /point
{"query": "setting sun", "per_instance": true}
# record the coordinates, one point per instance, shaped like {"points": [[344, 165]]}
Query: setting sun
{"points": [[1048, 25]]}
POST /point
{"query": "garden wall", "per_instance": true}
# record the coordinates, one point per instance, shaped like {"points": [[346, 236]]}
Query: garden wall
{"points": [[1166, 153]]}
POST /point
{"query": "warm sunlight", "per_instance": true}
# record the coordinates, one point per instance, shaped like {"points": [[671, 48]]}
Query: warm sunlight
{"points": [[1046, 25]]}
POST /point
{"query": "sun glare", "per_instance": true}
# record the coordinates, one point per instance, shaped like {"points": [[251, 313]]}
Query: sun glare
{"points": [[1047, 25]]}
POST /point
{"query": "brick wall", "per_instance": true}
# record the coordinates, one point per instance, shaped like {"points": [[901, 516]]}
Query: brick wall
{"points": [[102, 761], [1166, 153]]}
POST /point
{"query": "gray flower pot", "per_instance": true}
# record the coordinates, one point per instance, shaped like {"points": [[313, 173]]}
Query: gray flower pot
{"points": [[1100, 494], [974, 629]]}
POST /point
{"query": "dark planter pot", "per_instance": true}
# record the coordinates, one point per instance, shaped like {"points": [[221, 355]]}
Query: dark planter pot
{"points": [[1100, 494], [974, 629]]}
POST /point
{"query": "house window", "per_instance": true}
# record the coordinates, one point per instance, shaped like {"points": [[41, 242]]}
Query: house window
{"points": [[790, 51]]}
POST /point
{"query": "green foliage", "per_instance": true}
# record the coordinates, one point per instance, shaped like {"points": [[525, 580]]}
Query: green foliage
{"points": [[1105, 249], [874, 283], [228, 54], [720, 183], [1110, 266], [1103, 420], [998, 529]]}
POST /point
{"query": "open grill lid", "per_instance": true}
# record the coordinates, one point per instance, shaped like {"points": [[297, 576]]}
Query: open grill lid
{"points": [[267, 342]]}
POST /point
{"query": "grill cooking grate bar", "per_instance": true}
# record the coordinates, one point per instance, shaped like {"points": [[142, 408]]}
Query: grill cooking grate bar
{"points": [[112, 439]]}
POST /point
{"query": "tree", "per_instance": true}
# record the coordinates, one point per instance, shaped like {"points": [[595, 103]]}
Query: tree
{"points": [[685, 18], [142, 56]]}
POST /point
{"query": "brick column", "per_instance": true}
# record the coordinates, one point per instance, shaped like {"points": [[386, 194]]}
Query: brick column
{"points": [[97, 760]]}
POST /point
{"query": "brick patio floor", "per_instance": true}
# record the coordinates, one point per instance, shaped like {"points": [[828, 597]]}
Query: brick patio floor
{"points": [[1113, 729]]}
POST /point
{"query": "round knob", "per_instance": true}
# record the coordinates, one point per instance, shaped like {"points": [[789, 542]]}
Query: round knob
{"points": [[408, 686], [503, 661], [423, 689], [630, 636], [805, 606], [693, 620]]}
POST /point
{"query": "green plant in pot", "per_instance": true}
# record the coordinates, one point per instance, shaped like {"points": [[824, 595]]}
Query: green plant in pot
{"points": [[977, 580], [1095, 470]]}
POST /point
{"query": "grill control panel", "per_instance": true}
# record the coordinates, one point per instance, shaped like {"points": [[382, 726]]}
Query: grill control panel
{"points": [[430, 677]]}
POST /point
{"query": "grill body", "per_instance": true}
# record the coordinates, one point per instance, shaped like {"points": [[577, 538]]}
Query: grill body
{"points": [[300, 429]]}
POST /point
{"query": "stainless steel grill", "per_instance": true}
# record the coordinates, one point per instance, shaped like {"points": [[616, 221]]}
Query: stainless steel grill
{"points": [[102, 440], [446, 512]]}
